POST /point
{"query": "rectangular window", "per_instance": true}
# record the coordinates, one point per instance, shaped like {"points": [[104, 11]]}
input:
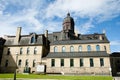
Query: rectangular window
{"points": [[21, 51], [91, 62], [28, 50], [81, 63], [52, 62], [6, 63], [101, 62], [71, 62], [62, 62], [8, 52]]}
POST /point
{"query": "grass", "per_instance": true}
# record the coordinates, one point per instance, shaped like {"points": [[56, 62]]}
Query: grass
{"points": [[59, 77]]}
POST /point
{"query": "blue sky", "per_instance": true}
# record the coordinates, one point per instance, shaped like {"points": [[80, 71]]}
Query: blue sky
{"points": [[91, 16]]}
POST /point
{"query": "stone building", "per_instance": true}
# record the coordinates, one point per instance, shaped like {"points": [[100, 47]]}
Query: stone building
{"points": [[2, 41], [115, 63], [62, 52]]}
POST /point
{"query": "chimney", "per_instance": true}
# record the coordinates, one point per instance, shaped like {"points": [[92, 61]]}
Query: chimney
{"points": [[46, 33], [100, 37], [18, 33]]}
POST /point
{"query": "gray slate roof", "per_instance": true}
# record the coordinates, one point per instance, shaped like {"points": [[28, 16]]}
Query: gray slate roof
{"points": [[24, 40], [77, 54], [62, 42]]}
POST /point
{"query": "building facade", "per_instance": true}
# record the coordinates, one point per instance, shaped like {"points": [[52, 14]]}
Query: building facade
{"points": [[115, 63], [62, 52]]}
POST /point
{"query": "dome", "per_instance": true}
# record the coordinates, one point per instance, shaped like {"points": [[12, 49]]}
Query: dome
{"points": [[68, 19]]}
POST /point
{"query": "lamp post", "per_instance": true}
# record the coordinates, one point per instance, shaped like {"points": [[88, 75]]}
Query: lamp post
{"points": [[16, 65]]}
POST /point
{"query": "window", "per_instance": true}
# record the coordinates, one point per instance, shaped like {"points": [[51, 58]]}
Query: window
{"points": [[80, 48], [63, 49], [81, 62], [105, 48], [20, 62], [71, 49], [91, 62], [88, 48], [55, 49], [32, 39], [28, 50], [21, 51], [8, 52], [35, 50], [26, 63], [62, 62], [71, 62], [52, 62], [6, 63], [97, 48], [34, 63], [101, 62]]}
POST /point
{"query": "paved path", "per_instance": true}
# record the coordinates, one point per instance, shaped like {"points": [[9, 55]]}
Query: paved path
{"points": [[116, 78], [24, 79]]}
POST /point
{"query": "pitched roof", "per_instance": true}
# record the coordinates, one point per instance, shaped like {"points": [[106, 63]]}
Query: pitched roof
{"points": [[62, 42], [24, 40], [77, 54]]}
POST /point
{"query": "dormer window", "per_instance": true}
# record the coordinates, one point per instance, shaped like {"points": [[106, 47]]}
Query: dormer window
{"points": [[32, 39]]}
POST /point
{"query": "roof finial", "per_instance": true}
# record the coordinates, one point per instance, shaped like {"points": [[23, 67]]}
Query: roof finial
{"points": [[68, 14]]}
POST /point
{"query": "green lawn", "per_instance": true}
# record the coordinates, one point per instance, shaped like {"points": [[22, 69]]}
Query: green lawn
{"points": [[59, 77]]}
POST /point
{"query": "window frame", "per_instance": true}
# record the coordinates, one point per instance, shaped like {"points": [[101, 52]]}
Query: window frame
{"points": [[63, 49], [19, 62], [91, 62], [52, 62], [6, 63], [101, 62], [81, 62], [80, 48], [89, 48], [97, 47], [55, 49], [62, 62], [71, 62], [26, 63], [21, 51], [71, 49], [34, 63], [35, 50], [28, 50]]}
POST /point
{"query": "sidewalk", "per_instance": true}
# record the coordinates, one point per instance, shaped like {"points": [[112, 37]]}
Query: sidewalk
{"points": [[25, 79], [116, 78]]}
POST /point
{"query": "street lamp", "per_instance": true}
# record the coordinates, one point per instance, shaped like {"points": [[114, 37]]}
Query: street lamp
{"points": [[16, 65]]}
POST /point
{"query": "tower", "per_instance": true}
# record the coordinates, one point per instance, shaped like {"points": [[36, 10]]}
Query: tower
{"points": [[68, 27]]}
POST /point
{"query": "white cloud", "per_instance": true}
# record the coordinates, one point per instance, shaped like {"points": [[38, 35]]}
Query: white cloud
{"points": [[38, 15], [85, 27], [115, 43], [83, 8]]}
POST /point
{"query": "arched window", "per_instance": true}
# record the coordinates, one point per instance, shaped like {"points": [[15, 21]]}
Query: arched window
{"points": [[71, 49], [21, 51], [32, 39], [80, 48], [26, 63], [105, 48], [35, 50], [55, 49], [20, 62], [88, 48], [63, 49], [6, 63], [34, 63], [28, 50], [97, 48]]}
